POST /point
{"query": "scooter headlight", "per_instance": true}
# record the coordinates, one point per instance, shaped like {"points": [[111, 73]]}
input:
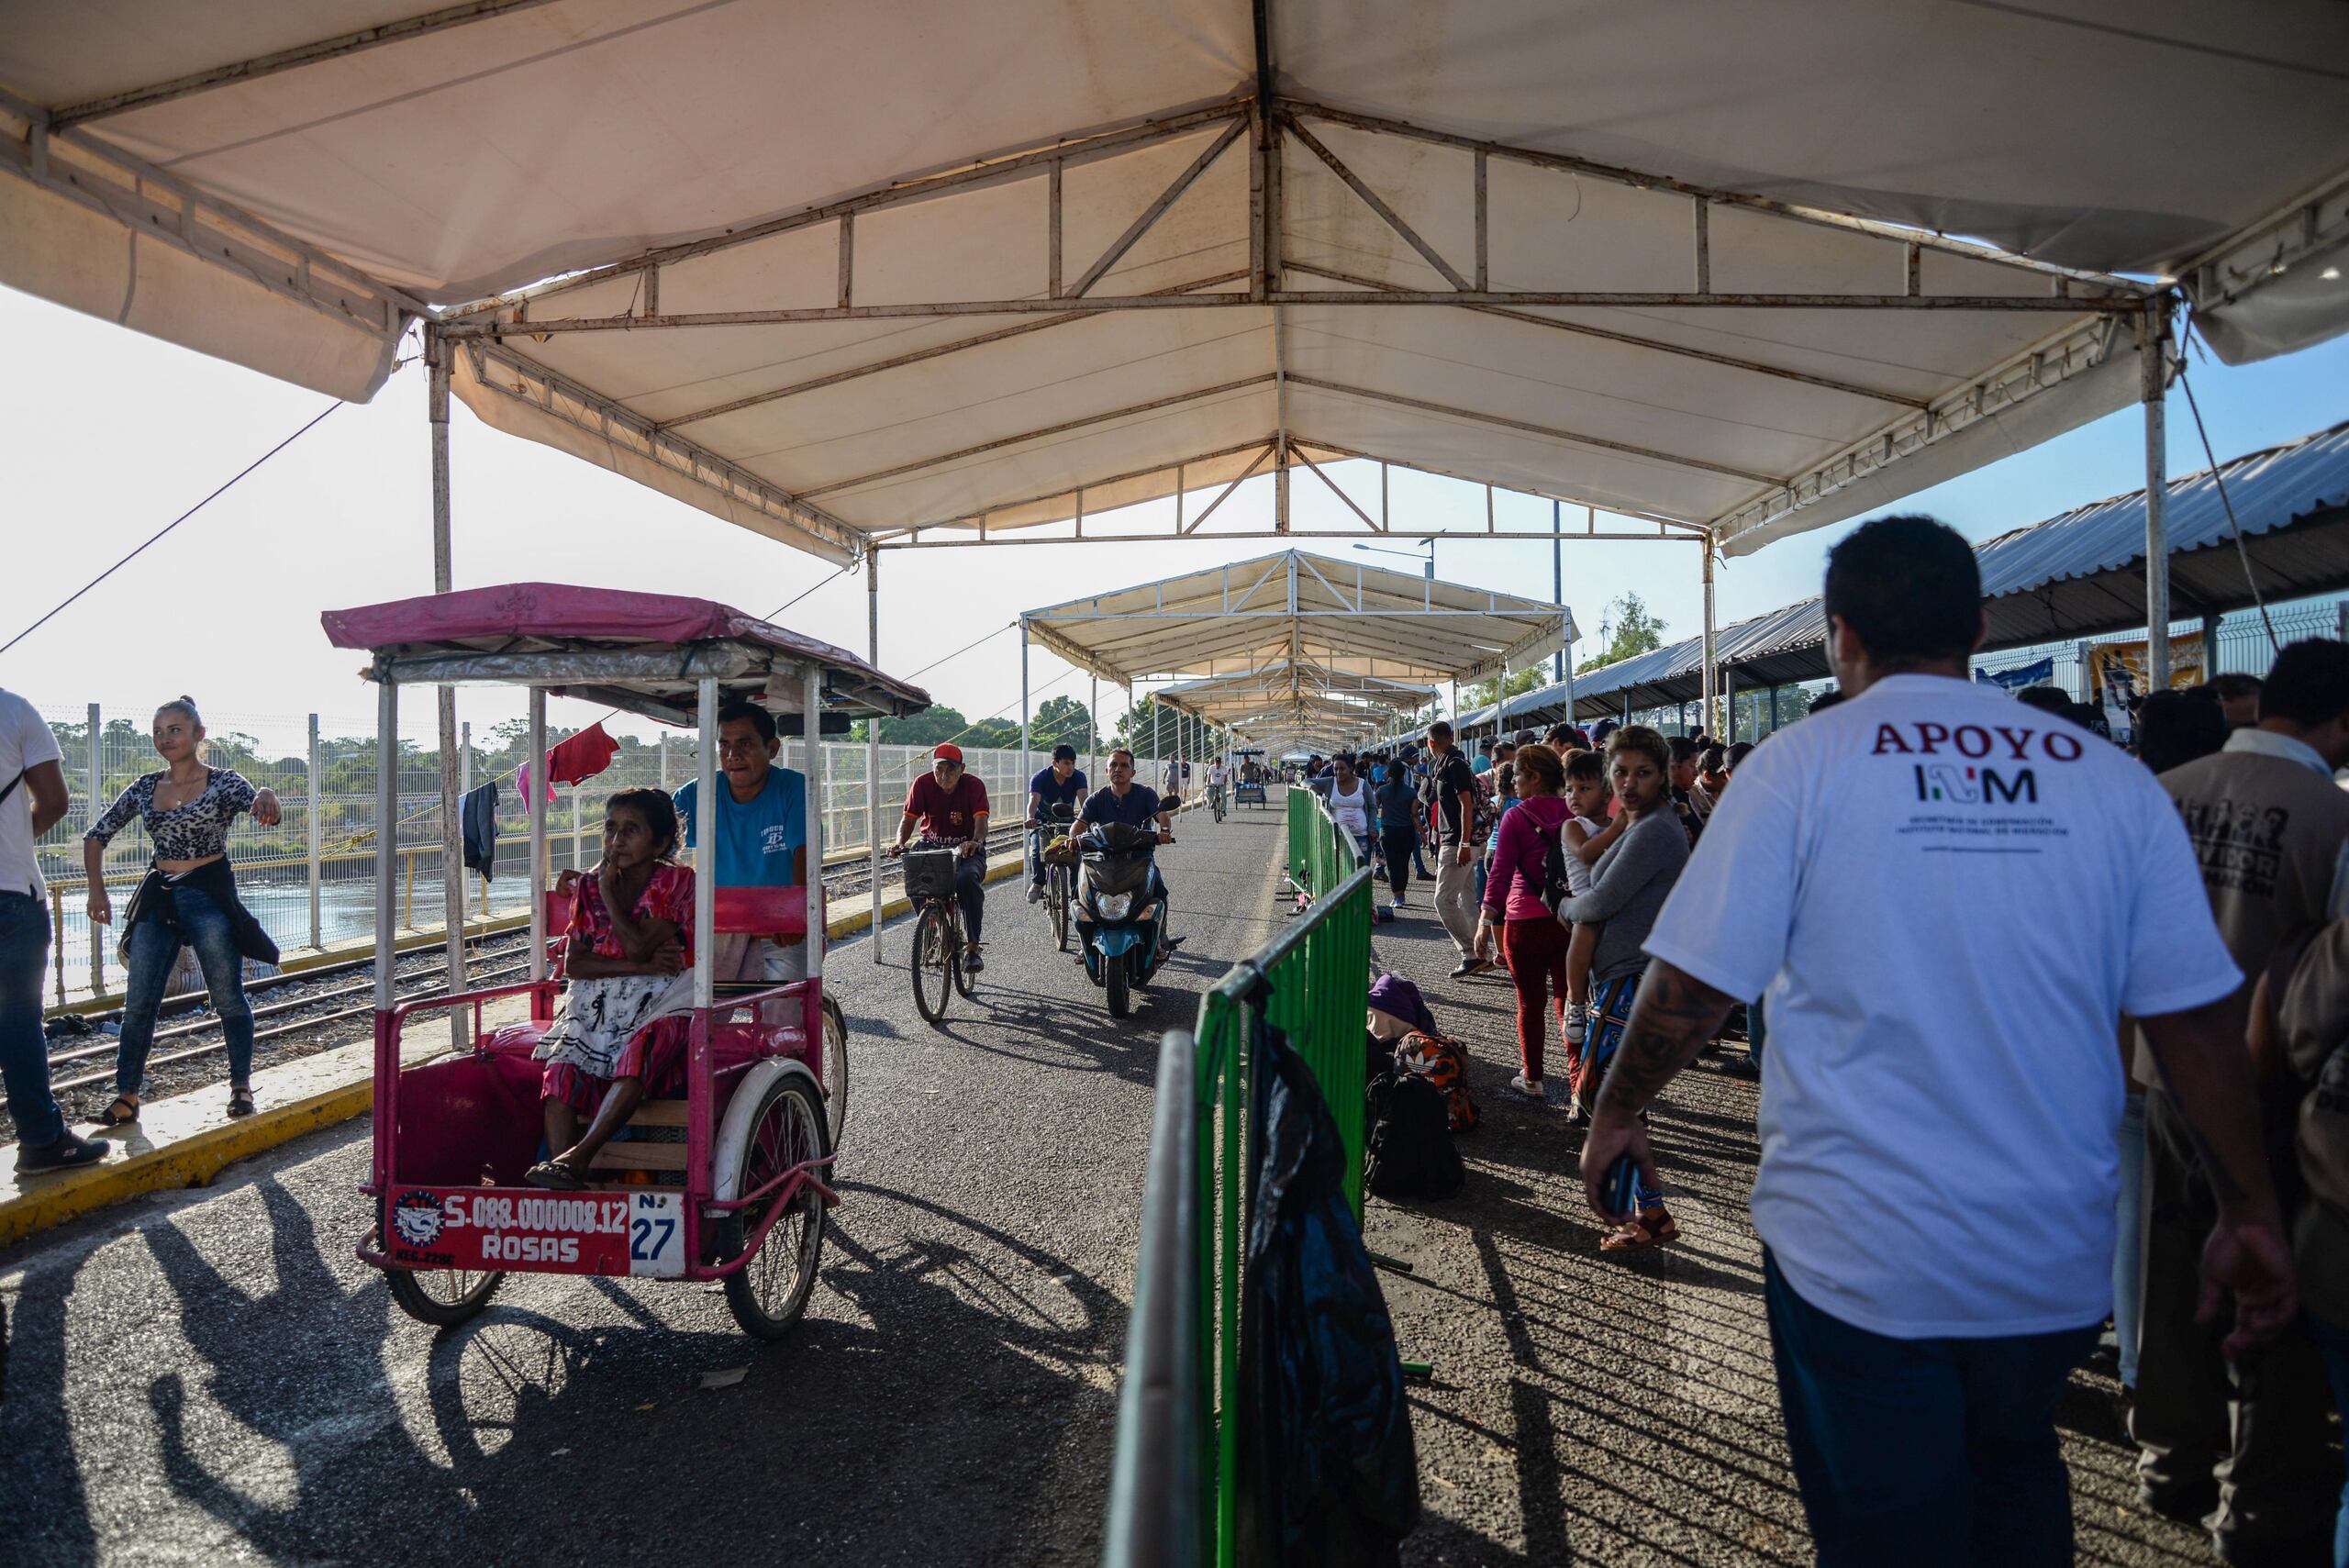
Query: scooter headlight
{"points": [[1113, 906]]}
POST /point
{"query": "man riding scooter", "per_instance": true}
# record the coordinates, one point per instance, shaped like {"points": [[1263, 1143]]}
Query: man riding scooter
{"points": [[1123, 902]]}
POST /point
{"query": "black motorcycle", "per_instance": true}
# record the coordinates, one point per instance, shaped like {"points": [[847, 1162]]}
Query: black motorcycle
{"points": [[1121, 912]]}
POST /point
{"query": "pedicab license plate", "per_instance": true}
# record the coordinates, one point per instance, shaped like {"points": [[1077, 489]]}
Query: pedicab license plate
{"points": [[638, 1233]]}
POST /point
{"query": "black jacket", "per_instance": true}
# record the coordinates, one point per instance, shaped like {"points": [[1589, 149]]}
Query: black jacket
{"points": [[215, 881]]}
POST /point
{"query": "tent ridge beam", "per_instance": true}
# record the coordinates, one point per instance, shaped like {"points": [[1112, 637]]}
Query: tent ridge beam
{"points": [[269, 64], [1639, 180], [918, 356], [1526, 427], [1044, 304], [1074, 148], [1157, 209], [1387, 214], [981, 448], [1629, 339]]}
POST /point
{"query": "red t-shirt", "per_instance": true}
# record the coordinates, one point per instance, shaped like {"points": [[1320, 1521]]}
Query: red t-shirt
{"points": [[946, 816]]}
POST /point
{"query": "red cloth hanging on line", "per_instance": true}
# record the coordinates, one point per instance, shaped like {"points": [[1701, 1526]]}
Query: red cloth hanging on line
{"points": [[581, 758]]}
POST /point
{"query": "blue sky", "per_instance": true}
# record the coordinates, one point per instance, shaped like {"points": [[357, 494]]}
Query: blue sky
{"points": [[105, 435]]}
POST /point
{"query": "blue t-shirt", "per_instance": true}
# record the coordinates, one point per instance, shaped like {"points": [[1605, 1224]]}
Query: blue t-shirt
{"points": [[1049, 791], [757, 839], [1135, 811]]}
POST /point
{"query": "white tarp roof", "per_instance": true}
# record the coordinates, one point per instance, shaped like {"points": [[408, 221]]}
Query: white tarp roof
{"points": [[846, 270], [1297, 697], [1294, 611]]}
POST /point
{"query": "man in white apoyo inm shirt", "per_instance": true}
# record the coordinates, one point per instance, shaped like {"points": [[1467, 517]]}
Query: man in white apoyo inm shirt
{"points": [[1947, 901]]}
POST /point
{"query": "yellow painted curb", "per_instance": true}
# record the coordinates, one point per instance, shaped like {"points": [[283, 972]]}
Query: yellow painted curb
{"points": [[190, 1161]]}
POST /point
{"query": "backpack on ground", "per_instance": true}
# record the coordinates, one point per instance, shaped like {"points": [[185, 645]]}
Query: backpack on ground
{"points": [[1407, 1151], [1443, 1062]]}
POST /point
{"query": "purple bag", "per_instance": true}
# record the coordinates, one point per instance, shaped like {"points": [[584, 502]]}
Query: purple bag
{"points": [[1392, 994]]}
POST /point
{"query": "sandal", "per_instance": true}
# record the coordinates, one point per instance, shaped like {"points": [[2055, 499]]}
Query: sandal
{"points": [[553, 1175], [1629, 1237], [240, 1102], [1659, 1226], [122, 1113]]}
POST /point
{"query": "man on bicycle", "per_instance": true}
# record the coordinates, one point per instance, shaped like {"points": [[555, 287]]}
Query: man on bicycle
{"points": [[1218, 776], [951, 807], [1059, 783], [1136, 805]]}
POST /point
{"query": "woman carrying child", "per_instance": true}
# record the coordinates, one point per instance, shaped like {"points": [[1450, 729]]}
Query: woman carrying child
{"points": [[188, 898], [1531, 938], [1589, 833], [627, 1009], [1628, 887]]}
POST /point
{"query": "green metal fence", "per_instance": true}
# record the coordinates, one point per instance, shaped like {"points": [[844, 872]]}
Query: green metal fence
{"points": [[1313, 982]]}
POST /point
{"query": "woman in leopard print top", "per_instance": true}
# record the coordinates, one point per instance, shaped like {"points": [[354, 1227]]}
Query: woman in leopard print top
{"points": [[189, 899]]}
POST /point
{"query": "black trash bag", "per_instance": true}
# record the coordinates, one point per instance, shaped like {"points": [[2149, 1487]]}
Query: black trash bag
{"points": [[1407, 1147], [1329, 1474]]}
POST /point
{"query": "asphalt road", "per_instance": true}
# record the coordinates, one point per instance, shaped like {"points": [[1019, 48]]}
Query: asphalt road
{"points": [[212, 1377]]}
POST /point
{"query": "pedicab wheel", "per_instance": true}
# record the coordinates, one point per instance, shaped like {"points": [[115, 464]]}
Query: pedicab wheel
{"points": [[442, 1297], [1121, 997], [835, 1071], [932, 963], [768, 1293]]}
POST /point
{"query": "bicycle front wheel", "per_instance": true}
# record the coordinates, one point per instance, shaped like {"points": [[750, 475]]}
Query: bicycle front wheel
{"points": [[932, 961], [1057, 896]]}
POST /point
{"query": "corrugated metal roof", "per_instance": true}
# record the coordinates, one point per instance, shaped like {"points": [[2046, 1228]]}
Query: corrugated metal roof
{"points": [[2076, 575]]}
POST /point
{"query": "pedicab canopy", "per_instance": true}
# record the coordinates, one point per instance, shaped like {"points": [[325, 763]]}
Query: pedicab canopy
{"points": [[645, 653], [900, 271]]}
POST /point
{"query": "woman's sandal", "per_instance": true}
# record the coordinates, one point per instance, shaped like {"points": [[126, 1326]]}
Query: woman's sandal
{"points": [[122, 1113], [553, 1175], [1653, 1228], [240, 1102]]}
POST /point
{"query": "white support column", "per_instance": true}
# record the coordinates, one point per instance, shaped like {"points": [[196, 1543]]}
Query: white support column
{"points": [[1729, 700], [812, 701], [535, 799], [311, 835], [1712, 674], [1093, 733], [706, 857], [1027, 740], [437, 354], [98, 808], [2152, 337], [1561, 663], [664, 762], [873, 744], [388, 808]]}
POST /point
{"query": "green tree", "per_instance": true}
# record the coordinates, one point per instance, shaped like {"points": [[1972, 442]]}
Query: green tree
{"points": [[1062, 718], [1626, 627]]}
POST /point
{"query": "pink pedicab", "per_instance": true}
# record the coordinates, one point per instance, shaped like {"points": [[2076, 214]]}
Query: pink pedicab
{"points": [[731, 1181]]}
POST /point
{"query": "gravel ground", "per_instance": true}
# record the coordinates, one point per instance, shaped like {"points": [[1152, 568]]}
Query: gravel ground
{"points": [[211, 1377]]}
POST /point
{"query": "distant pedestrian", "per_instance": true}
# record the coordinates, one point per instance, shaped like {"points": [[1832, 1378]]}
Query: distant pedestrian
{"points": [[1937, 1186], [1449, 795], [1396, 795], [32, 800], [1517, 918], [188, 898]]}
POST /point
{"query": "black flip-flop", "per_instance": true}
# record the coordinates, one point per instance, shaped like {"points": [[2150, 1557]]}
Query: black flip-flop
{"points": [[554, 1176], [240, 1102], [123, 1104]]}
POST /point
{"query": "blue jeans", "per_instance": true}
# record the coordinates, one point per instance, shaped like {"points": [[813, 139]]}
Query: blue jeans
{"points": [[2332, 1344], [154, 949], [1757, 1031], [970, 892], [1923, 1453], [23, 1052], [2129, 1256]]}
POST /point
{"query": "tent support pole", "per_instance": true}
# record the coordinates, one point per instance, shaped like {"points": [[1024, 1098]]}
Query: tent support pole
{"points": [[2152, 333], [873, 741], [452, 867], [1027, 743], [1705, 717], [1093, 733], [1558, 594]]}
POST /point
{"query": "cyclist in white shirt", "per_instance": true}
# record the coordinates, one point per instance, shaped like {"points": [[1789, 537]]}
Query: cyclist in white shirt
{"points": [[1946, 902]]}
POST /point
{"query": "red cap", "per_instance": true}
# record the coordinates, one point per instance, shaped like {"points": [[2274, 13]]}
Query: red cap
{"points": [[949, 752]]}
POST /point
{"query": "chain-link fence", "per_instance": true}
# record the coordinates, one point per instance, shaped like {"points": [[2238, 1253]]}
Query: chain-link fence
{"points": [[316, 889]]}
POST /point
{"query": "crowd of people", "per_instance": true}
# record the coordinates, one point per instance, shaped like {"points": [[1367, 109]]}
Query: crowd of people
{"points": [[2057, 1037]]}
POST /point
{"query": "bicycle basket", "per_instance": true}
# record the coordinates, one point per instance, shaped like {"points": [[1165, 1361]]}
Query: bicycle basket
{"points": [[929, 873]]}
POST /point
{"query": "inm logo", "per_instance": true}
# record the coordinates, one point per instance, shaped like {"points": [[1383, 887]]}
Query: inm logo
{"points": [[1975, 786]]}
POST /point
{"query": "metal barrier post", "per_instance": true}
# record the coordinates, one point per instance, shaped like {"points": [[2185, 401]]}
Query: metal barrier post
{"points": [[57, 925], [97, 807], [316, 928]]}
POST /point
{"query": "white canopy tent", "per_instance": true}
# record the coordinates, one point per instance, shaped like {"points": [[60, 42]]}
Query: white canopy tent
{"points": [[897, 274], [1320, 647]]}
